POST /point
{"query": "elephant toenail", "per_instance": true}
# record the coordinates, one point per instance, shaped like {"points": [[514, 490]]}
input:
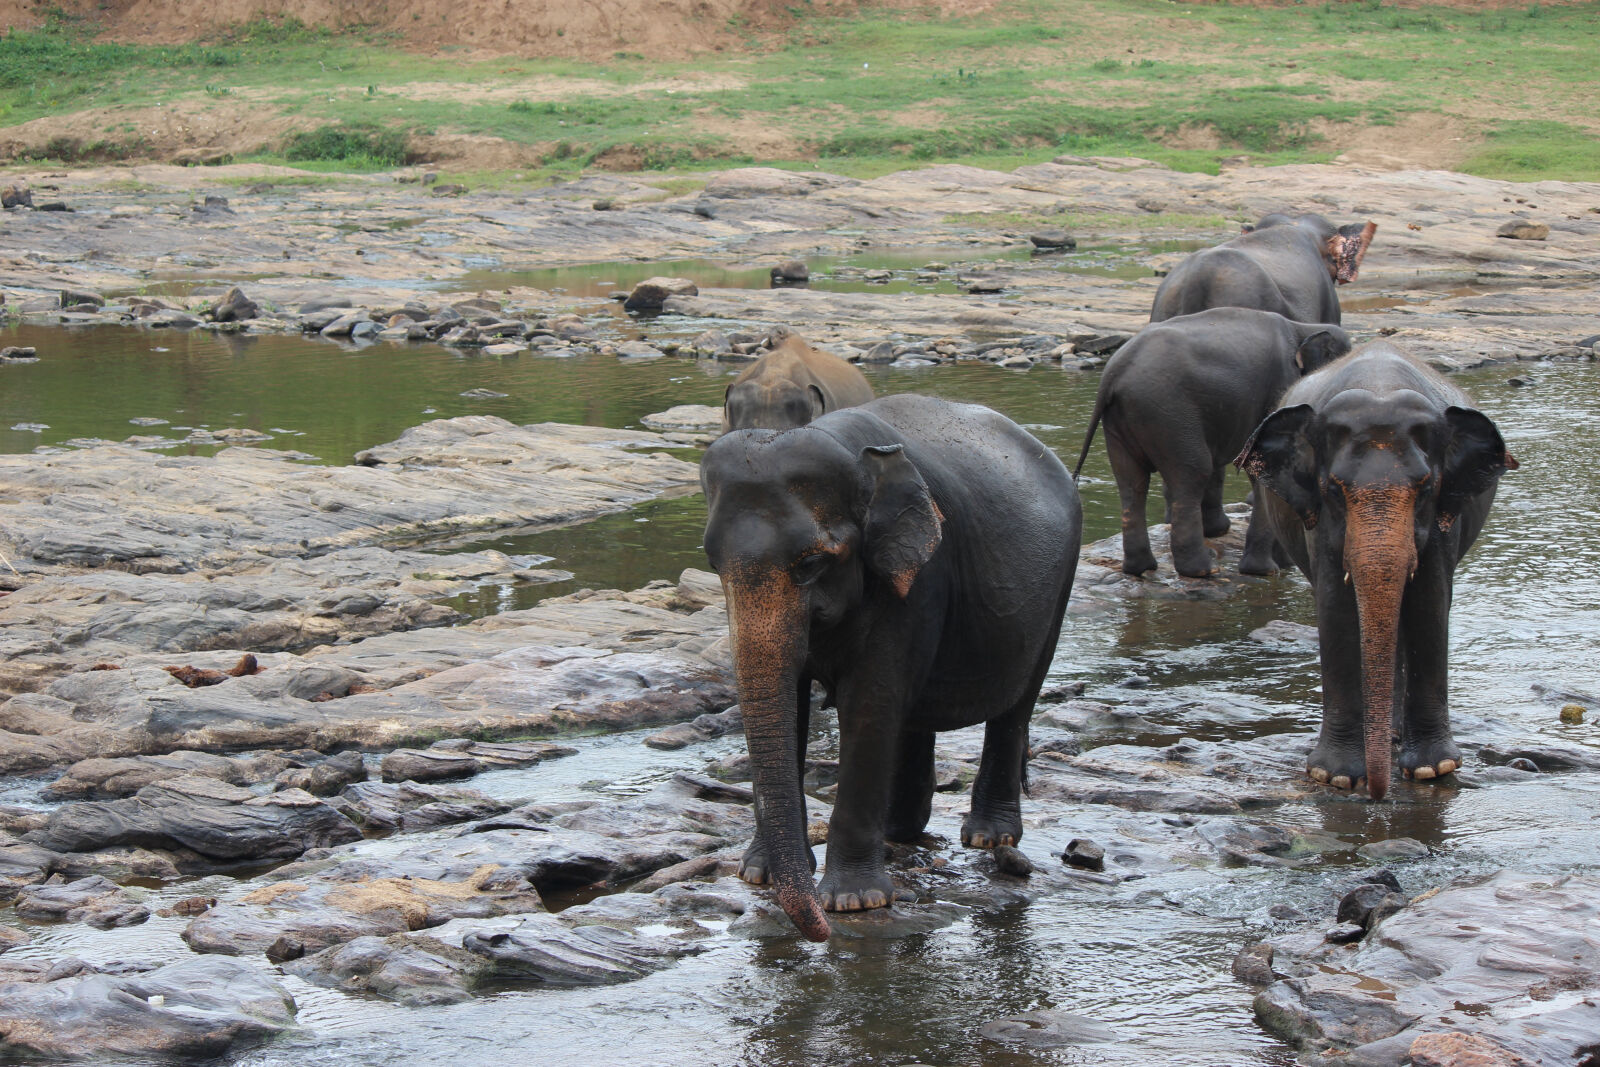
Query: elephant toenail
{"points": [[1340, 781], [1319, 775], [1447, 765], [1424, 773]]}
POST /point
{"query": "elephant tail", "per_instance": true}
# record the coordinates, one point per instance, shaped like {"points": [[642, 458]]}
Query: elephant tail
{"points": [[1088, 438]]}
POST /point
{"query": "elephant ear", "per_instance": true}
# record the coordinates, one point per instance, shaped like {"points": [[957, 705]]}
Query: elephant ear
{"points": [[903, 526], [1321, 349], [819, 405], [1279, 456], [1473, 461], [1345, 249]]}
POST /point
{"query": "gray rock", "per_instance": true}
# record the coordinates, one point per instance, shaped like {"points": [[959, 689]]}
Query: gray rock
{"points": [[92, 900], [199, 1008], [408, 806], [430, 765], [1048, 1028], [1053, 240], [545, 950], [1394, 850], [327, 777], [652, 293], [408, 968], [1253, 964], [1085, 854], [1523, 230], [1015, 862]]}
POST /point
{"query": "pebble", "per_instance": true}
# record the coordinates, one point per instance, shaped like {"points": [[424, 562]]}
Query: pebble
{"points": [[1012, 861], [1081, 852]]}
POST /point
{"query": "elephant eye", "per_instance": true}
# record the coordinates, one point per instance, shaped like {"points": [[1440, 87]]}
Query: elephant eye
{"points": [[810, 567]]}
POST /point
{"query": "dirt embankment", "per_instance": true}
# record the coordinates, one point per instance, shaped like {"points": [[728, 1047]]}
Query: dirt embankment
{"points": [[659, 29]]}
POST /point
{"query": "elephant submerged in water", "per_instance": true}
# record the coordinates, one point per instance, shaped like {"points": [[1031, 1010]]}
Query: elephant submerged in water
{"points": [[1379, 478], [1181, 398], [790, 386], [1290, 266], [914, 557]]}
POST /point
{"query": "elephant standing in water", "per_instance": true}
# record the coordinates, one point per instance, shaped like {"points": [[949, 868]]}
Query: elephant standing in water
{"points": [[1182, 398], [790, 386], [1379, 477], [914, 556], [1281, 264]]}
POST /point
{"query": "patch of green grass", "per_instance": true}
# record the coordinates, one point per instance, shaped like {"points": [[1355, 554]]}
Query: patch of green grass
{"points": [[360, 147], [1537, 150]]}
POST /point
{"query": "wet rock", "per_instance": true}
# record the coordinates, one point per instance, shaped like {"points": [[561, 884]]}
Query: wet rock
{"points": [[652, 293], [1287, 636], [72, 298], [189, 906], [1523, 230], [23, 864], [1048, 1028], [1085, 854], [1253, 964], [545, 950], [1522, 763], [326, 778], [407, 968], [1014, 861], [790, 272], [94, 901], [1548, 757], [1344, 933], [217, 821], [1397, 849], [682, 417], [1463, 1050], [1053, 240], [234, 307], [1368, 904], [1528, 945], [701, 728], [638, 350], [431, 765], [11, 938], [16, 194], [104, 779], [120, 864], [408, 806], [19, 354], [198, 1008]]}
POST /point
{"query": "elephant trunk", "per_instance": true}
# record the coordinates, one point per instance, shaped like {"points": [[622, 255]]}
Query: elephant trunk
{"points": [[769, 622], [1380, 556]]}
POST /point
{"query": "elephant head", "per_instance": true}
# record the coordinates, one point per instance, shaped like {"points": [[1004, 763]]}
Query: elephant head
{"points": [[1374, 478], [804, 531], [773, 403]]}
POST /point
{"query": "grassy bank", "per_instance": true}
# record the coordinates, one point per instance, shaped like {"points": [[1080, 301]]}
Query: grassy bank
{"points": [[1507, 93]]}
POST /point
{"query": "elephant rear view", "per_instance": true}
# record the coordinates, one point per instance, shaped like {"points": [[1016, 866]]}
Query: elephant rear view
{"points": [[1378, 479], [790, 386], [915, 557], [1289, 266]]}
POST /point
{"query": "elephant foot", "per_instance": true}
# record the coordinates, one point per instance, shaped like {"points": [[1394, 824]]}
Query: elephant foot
{"points": [[1428, 760], [1262, 565], [1139, 563], [1195, 565], [754, 868], [1342, 768], [1217, 526], [989, 831], [844, 891]]}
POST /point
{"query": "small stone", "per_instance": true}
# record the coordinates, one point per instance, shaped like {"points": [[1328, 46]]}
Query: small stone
{"points": [[605, 205], [1084, 853], [1253, 964], [1286, 913], [790, 271], [1367, 905], [1523, 230], [1523, 763], [1012, 861], [1053, 240], [1519, 381], [652, 293], [1399, 848], [1344, 933], [1572, 713], [1134, 681]]}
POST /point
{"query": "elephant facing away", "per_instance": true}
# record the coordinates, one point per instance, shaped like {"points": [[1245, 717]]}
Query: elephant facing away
{"points": [[1281, 264], [790, 386], [915, 557], [1379, 478], [1181, 398]]}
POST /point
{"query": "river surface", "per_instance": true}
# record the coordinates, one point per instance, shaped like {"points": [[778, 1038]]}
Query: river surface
{"points": [[1147, 958]]}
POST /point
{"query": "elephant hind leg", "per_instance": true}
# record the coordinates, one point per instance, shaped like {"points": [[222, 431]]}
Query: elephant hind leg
{"points": [[1133, 486], [996, 815], [1214, 521], [911, 795]]}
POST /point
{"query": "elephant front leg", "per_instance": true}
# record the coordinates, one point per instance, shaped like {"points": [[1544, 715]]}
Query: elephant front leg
{"points": [[854, 877], [1260, 547], [1427, 749], [996, 816], [1339, 758]]}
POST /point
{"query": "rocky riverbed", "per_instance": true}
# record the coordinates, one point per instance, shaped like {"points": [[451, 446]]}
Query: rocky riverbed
{"points": [[264, 796]]}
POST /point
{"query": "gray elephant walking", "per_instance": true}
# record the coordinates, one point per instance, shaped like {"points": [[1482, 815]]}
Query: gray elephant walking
{"points": [[1290, 266], [915, 557], [1379, 478], [1181, 398]]}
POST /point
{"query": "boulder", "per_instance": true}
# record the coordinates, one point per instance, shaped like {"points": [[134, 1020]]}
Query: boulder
{"points": [[197, 1008], [92, 900], [652, 293], [1523, 230]]}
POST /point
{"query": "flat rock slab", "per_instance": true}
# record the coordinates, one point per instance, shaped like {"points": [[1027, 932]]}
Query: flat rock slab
{"points": [[1512, 957], [93, 900], [198, 1008], [220, 822]]}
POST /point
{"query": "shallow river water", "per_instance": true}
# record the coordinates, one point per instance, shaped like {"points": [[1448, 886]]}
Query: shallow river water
{"points": [[1148, 958]]}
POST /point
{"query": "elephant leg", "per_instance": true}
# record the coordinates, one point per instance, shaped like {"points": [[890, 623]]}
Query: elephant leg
{"points": [[1260, 547], [1190, 556], [753, 866], [996, 815], [854, 877], [1427, 749], [1214, 521], [1339, 758], [1133, 486], [911, 797]]}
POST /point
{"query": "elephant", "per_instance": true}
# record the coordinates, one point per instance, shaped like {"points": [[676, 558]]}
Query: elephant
{"points": [[1182, 398], [913, 556], [1378, 477], [1280, 264], [791, 385]]}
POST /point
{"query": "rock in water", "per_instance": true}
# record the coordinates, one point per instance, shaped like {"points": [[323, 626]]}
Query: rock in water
{"points": [[652, 293], [1053, 240], [1085, 854]]}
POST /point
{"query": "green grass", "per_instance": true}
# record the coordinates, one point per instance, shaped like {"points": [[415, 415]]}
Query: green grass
{"points": [[874, 92]]}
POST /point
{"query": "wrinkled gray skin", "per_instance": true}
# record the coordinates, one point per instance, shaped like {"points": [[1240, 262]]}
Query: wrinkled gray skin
{"points": [[1378, 479], [1182, 398], [790, 386], [914, 556], [1281, 264]]}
